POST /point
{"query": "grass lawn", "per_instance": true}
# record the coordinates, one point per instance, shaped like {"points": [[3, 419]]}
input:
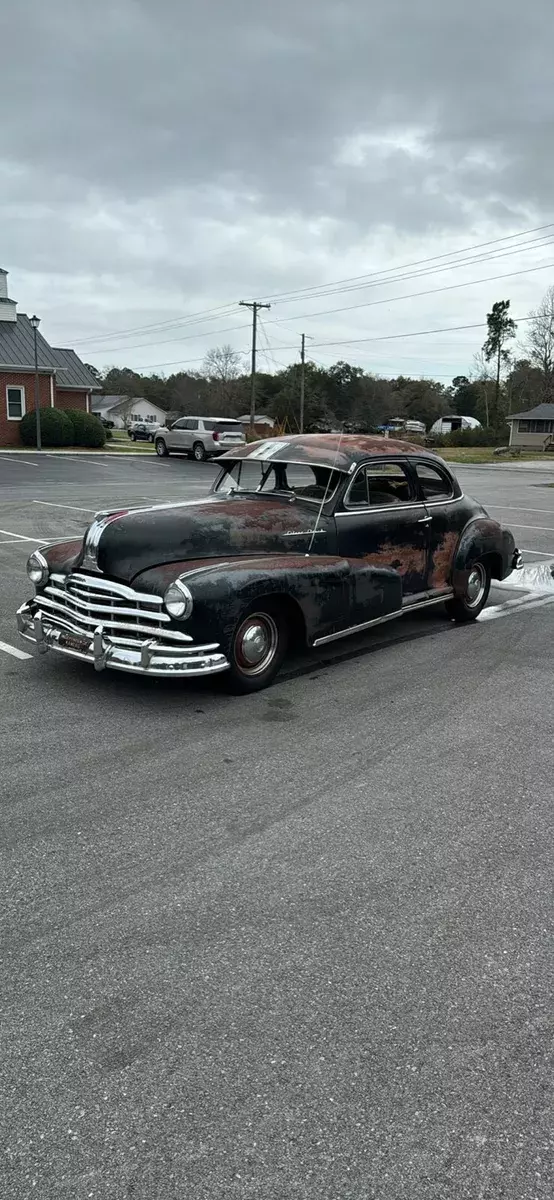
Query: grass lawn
{"points": [[122, 443], [482, 454]]}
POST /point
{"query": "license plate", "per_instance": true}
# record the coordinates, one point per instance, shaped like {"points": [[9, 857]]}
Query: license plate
{"points": [[72, 641]]}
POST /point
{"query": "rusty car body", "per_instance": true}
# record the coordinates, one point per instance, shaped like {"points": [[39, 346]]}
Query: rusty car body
{"points": [[305, 538]]}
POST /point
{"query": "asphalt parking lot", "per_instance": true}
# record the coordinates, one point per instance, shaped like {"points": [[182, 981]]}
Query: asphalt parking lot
{"points": [[296, 944]]}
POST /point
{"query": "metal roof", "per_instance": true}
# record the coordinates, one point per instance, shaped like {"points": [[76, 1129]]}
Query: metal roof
{"points": [[541, 412], [72, 373], [325, 449], [17, 345], [17, 350]]}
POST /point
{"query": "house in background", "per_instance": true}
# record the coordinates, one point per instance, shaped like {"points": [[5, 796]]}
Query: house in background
{"points": [[262, 424], [122, 410], [532, 428], [64, 381]]}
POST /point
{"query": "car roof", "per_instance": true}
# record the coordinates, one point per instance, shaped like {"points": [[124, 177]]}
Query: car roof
{"points": [[192, 417], [340, 451]]}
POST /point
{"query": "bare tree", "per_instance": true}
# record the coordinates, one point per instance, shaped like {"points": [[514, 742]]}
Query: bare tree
{"points": [[222, 367], [540, 341]]}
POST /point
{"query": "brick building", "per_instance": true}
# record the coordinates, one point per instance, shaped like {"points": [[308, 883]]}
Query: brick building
{"points": [[64, 381]]}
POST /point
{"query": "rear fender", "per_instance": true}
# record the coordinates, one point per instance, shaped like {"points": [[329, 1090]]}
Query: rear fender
{"points": [[331, 593], [483, 538]]}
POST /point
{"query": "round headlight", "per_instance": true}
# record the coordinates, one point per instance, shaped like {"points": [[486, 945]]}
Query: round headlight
{"points": [[178, 600], [37, 568]]}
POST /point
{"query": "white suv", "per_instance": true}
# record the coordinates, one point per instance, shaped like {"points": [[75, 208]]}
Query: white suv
{"points": [[200, 437]]}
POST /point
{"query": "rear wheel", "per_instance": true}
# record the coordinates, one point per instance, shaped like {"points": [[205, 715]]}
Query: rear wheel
{"points": [[161, 448], [199, 452], [258, 647], [467, 607]]}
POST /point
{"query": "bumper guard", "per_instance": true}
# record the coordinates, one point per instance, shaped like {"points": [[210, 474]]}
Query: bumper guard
{"points": [[146, 657]]}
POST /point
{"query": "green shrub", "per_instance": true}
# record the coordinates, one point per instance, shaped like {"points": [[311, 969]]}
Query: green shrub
{"points": [[109, 432], [87, 430], [55, 428], [478, 437]]}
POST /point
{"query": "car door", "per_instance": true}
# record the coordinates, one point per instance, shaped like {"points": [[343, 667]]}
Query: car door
{"points": [[176, 436], [444, 505], [382, 520]]}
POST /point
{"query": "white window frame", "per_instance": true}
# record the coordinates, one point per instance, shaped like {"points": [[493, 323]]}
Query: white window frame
{"points": [[14, 387]]}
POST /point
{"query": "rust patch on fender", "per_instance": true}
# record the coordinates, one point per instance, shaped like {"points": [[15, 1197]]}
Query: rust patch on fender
{"points": [[443, 557]]}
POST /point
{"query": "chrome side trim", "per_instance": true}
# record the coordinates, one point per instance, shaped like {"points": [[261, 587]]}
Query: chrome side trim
{"points": [[400, 612], [402, 507], [381, 508]]}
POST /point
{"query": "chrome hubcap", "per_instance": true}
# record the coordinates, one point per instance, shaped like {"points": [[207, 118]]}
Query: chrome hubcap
{"points": [[476, 584], [160, 448], [256, 643]]}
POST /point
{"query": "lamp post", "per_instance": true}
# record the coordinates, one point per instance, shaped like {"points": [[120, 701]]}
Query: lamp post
{"points": [[35, 322]]}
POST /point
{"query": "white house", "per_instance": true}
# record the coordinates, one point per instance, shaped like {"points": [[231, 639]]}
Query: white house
{"points": [[122, 410]]}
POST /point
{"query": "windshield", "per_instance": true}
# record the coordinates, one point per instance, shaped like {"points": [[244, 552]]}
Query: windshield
{"points": [[307, 482]]}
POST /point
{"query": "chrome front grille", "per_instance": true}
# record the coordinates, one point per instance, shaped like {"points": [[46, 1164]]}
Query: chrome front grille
{"points": [[79, 603]]}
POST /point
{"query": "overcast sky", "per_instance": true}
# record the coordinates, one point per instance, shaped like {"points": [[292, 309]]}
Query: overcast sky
{"points": [[158, 160]]}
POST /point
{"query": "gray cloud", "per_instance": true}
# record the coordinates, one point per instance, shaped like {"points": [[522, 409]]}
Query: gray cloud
{"points": [[166, 156]]}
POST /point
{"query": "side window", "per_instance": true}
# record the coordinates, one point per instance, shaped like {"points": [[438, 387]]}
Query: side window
{"points": [[379, 484], [179, 424], [190, 424], [434, 484]]}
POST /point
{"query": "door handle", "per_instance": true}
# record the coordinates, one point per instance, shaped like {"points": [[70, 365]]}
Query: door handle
{"points": [[424, 520]]}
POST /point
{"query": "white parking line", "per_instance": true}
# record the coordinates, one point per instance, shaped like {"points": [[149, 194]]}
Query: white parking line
{"points": [[21, 536], [13, 650], [19, 460], [540, 528], [510, 606], [512, 508], [541, 553], [75, 507]]}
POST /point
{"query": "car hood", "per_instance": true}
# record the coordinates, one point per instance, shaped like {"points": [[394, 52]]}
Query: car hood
{"points": [[125, 543]]}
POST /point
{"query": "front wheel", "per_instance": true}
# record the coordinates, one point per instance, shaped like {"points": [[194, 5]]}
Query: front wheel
{"points": [[198, 452], [468, 606], [161, 448], [258, 647]]}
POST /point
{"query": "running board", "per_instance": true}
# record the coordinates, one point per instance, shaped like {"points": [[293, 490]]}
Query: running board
{"points": [[400, 612]]}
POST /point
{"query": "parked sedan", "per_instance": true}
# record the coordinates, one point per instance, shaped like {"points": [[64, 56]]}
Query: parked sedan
{"points": [[303, 540], [143, 431]]}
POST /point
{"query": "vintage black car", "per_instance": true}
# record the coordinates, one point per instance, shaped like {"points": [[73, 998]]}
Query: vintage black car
{"points": [[303, 539]]}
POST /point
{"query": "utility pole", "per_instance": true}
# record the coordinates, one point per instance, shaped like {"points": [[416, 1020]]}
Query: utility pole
{"points": [[255, 306], [302, 378], [302, 381]]}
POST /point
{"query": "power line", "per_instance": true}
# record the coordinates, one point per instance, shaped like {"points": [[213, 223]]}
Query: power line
{"points": [[389, 337], [188, 337], [401, 277], [430, 292], [282, 296], [191, 319], [212, 313]]}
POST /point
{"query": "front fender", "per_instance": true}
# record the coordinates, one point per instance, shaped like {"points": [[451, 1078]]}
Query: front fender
{"points": [[331, 593], [483, 537]]}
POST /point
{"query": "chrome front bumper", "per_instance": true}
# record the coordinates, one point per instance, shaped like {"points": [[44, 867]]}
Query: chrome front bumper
{"points": [[146, 657]]}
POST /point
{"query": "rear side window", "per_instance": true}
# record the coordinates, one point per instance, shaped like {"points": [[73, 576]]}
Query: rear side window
{"points": [[434, 484], [379, 484], [232, 426]]}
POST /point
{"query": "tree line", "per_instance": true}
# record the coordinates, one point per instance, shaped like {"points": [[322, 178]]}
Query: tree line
{"points": [[507, 376]]}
